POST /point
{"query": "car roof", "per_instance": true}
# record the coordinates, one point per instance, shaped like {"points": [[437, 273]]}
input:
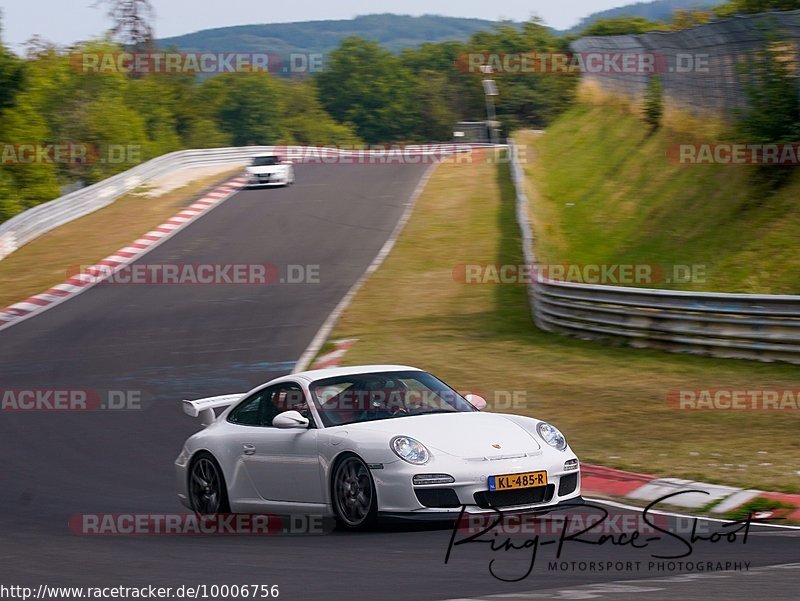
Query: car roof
{"points": [[322, 374]]}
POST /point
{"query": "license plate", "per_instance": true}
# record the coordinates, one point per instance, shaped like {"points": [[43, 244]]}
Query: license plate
{"points": [[512, 481]]}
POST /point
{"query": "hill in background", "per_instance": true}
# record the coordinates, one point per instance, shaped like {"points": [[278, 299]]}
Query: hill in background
{"points": [[394, 32]]}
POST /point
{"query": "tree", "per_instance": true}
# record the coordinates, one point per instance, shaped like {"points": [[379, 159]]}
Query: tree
{"points": [[306, 122], [36, 182], [622, 26], [444, 93], [435, 102], [12, 73], [246, 107], [734, 7], [153, 98], [773, 111], [132, 21], [9, 202], [772, 115], [527, 99], [21, 186], [683, 19], [369, 87], [654, 101]]}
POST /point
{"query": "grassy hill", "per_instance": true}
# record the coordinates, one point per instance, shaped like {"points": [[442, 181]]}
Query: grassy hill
{"points": [[606, 192], [394, 32]]}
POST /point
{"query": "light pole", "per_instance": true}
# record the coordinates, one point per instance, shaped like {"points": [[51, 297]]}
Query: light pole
{"points": [[490, 89]]}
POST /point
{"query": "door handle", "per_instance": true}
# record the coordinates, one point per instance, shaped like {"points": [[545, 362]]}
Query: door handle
{"points": [[249, 449]]}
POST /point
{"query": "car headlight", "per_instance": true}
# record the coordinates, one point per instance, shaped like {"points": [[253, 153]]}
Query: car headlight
{"points": [[552, 436], [410, 450]]}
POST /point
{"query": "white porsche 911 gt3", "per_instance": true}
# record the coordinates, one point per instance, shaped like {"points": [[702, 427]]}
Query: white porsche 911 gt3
{"points": [[363, 442]]}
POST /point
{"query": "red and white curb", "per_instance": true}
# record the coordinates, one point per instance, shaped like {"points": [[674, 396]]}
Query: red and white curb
{"points": [[605, 481], [79, 283], [334, 358]]}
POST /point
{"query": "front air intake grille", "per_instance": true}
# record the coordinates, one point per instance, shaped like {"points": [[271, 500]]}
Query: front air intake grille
{"points": [[488, 499], [568, 484], [439, 498]]}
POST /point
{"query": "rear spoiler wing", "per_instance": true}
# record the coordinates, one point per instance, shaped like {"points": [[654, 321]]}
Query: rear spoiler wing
{"points": [[204, 408]]}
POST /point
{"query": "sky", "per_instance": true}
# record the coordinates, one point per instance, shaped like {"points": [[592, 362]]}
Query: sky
{"points": [[68, 21]]}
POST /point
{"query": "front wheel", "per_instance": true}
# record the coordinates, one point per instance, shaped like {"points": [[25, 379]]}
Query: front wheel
{"points": [[354, 499], [207, 491]]}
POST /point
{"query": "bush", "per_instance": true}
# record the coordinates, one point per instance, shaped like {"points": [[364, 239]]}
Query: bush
{"points": [[654, 102]]}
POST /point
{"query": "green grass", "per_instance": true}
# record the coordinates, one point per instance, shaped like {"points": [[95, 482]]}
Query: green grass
{"points": [[610, 401], [604, 191], [758, 505]]}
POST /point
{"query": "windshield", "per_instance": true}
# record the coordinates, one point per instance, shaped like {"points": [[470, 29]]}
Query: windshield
{"points": [[386, 395], [266, 161]]}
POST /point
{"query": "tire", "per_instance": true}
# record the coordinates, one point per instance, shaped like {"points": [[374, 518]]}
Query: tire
{"points": [[353, 494], [208, 493]]}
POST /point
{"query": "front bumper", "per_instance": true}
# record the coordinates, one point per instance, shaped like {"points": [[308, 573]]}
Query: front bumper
{"points": [[269, 180], [451, 515], [270, 184], [182, 478], [399, 496]]}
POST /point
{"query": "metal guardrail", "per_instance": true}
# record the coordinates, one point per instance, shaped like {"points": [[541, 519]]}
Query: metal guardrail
{"points": [[34, 222], [741, 326]]}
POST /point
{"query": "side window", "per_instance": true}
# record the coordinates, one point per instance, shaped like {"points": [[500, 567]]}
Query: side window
{"points": [[248, 413], [284, 397], [261, 408]]}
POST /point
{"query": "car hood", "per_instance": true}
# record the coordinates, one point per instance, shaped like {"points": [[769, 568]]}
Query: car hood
{"points": [[466, 435]]}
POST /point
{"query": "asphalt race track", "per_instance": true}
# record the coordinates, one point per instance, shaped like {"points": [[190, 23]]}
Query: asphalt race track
{"points": [[175, 342]]}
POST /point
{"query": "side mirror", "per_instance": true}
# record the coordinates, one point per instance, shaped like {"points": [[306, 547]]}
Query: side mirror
{"points": [[476, 401], [290, 419]]}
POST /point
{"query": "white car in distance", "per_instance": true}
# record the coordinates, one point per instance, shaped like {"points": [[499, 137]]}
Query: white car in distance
{"points": [[269, 170]]}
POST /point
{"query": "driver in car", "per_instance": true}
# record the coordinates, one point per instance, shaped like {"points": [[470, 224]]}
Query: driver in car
{"points": [[381, 398]]}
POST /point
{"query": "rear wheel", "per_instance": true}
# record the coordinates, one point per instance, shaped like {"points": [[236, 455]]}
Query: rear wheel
{"points": [[354, 499], [207, 491]]}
